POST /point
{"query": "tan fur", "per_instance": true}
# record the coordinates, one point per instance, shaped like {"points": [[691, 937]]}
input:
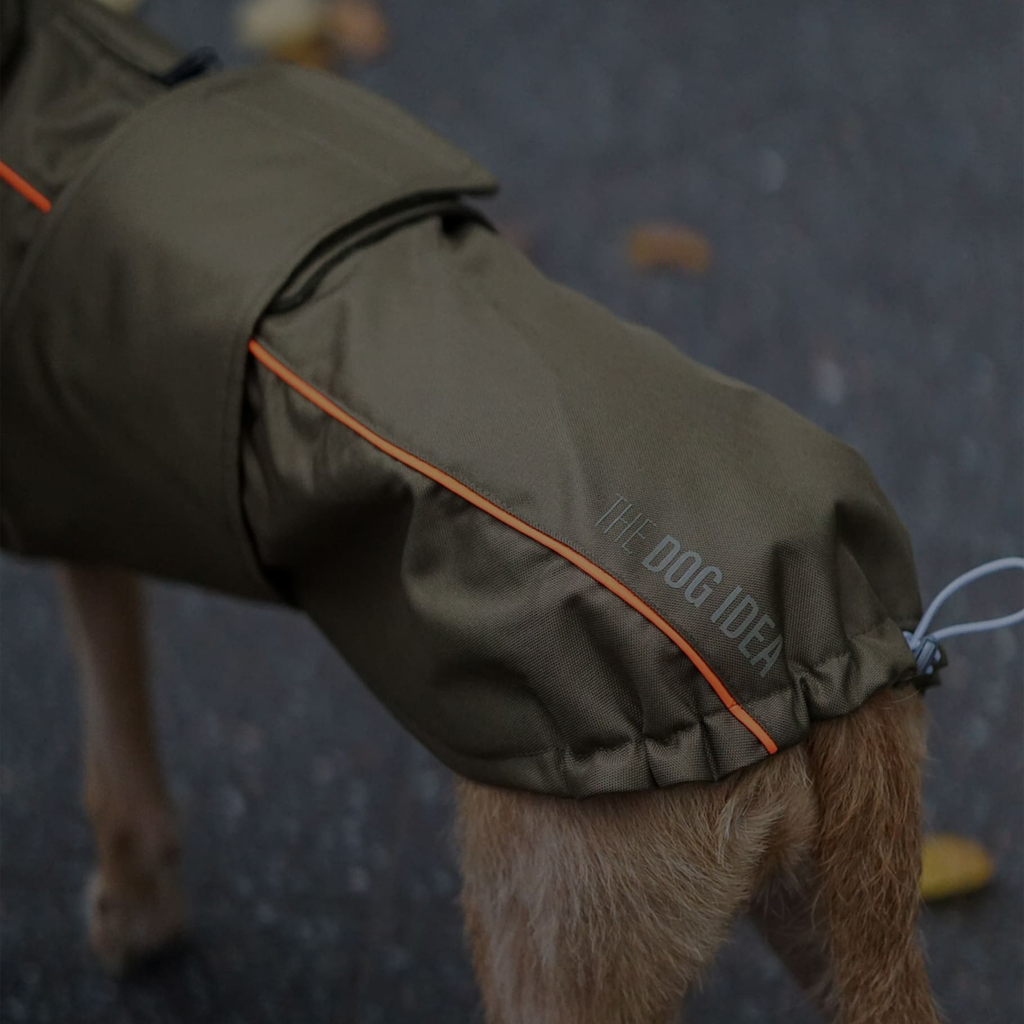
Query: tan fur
{"points": [[134, 897], [603, 911], [606, 911]]}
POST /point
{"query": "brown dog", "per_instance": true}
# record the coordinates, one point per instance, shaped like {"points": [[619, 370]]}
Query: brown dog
{"points": [[602, 911]]}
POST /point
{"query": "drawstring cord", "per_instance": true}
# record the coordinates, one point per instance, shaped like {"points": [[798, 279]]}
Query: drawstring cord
{"points": [[925, 645]]}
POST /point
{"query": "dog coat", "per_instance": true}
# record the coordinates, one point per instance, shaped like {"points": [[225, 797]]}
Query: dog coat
{"points": [[254, 338]]}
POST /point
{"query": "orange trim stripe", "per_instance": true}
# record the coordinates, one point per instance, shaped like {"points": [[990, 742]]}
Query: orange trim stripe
{"points": [[323, 403], [19, 184]]}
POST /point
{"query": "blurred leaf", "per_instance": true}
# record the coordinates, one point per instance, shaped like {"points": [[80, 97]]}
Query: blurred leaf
{"points": [[671, 246], [288, 29], [953, 866], [311, 52]]}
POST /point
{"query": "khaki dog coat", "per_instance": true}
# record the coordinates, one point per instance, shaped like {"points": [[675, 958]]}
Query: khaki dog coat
{"points": [[255, 339]]}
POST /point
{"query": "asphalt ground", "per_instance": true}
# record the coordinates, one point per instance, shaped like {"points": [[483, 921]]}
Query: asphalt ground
{"points": [[857, 170]]}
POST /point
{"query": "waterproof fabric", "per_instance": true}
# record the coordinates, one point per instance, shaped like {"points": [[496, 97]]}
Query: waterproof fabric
{"points": [[565, 556]]}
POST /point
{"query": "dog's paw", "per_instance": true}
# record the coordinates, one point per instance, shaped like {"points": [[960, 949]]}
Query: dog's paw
{"points": [[136, 907]]}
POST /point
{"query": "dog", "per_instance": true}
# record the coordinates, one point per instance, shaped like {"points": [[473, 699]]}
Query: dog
{"points": [[799, 803]]}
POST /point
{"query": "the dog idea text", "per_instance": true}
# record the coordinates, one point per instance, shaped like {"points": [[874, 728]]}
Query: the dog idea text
{"points": [[737, 614]]}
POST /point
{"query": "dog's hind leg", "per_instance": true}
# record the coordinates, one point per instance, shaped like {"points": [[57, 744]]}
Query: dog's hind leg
{"points": [[135, 902], [607, 910], [787, 912], [845, 920]]}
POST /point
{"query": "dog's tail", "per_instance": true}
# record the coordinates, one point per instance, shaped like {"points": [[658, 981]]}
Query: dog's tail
{"points": [[867, 770]]}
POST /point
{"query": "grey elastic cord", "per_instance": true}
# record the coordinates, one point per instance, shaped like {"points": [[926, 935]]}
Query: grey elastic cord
{"points": [[925, 645]]}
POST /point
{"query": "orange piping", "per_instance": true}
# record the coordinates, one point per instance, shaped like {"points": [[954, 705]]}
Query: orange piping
{"points": [[323, 403], [19, 184]]}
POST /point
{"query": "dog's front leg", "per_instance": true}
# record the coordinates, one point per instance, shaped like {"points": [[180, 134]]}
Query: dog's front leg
{"points": [[135, 903]]}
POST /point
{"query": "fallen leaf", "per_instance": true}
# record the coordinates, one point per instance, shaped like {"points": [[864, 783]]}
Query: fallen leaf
{"points": [[669, 245], [357, 28], [953, 866], [311, 52], [289, 29]]}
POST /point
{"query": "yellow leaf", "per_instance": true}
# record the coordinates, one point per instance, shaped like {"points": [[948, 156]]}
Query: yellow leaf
{"points": [[953, 866], [274, 24], [311, 52], [669, 245]]}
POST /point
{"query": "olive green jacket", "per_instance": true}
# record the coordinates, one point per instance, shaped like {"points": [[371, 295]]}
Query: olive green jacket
{"points": [[255, 339]]}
